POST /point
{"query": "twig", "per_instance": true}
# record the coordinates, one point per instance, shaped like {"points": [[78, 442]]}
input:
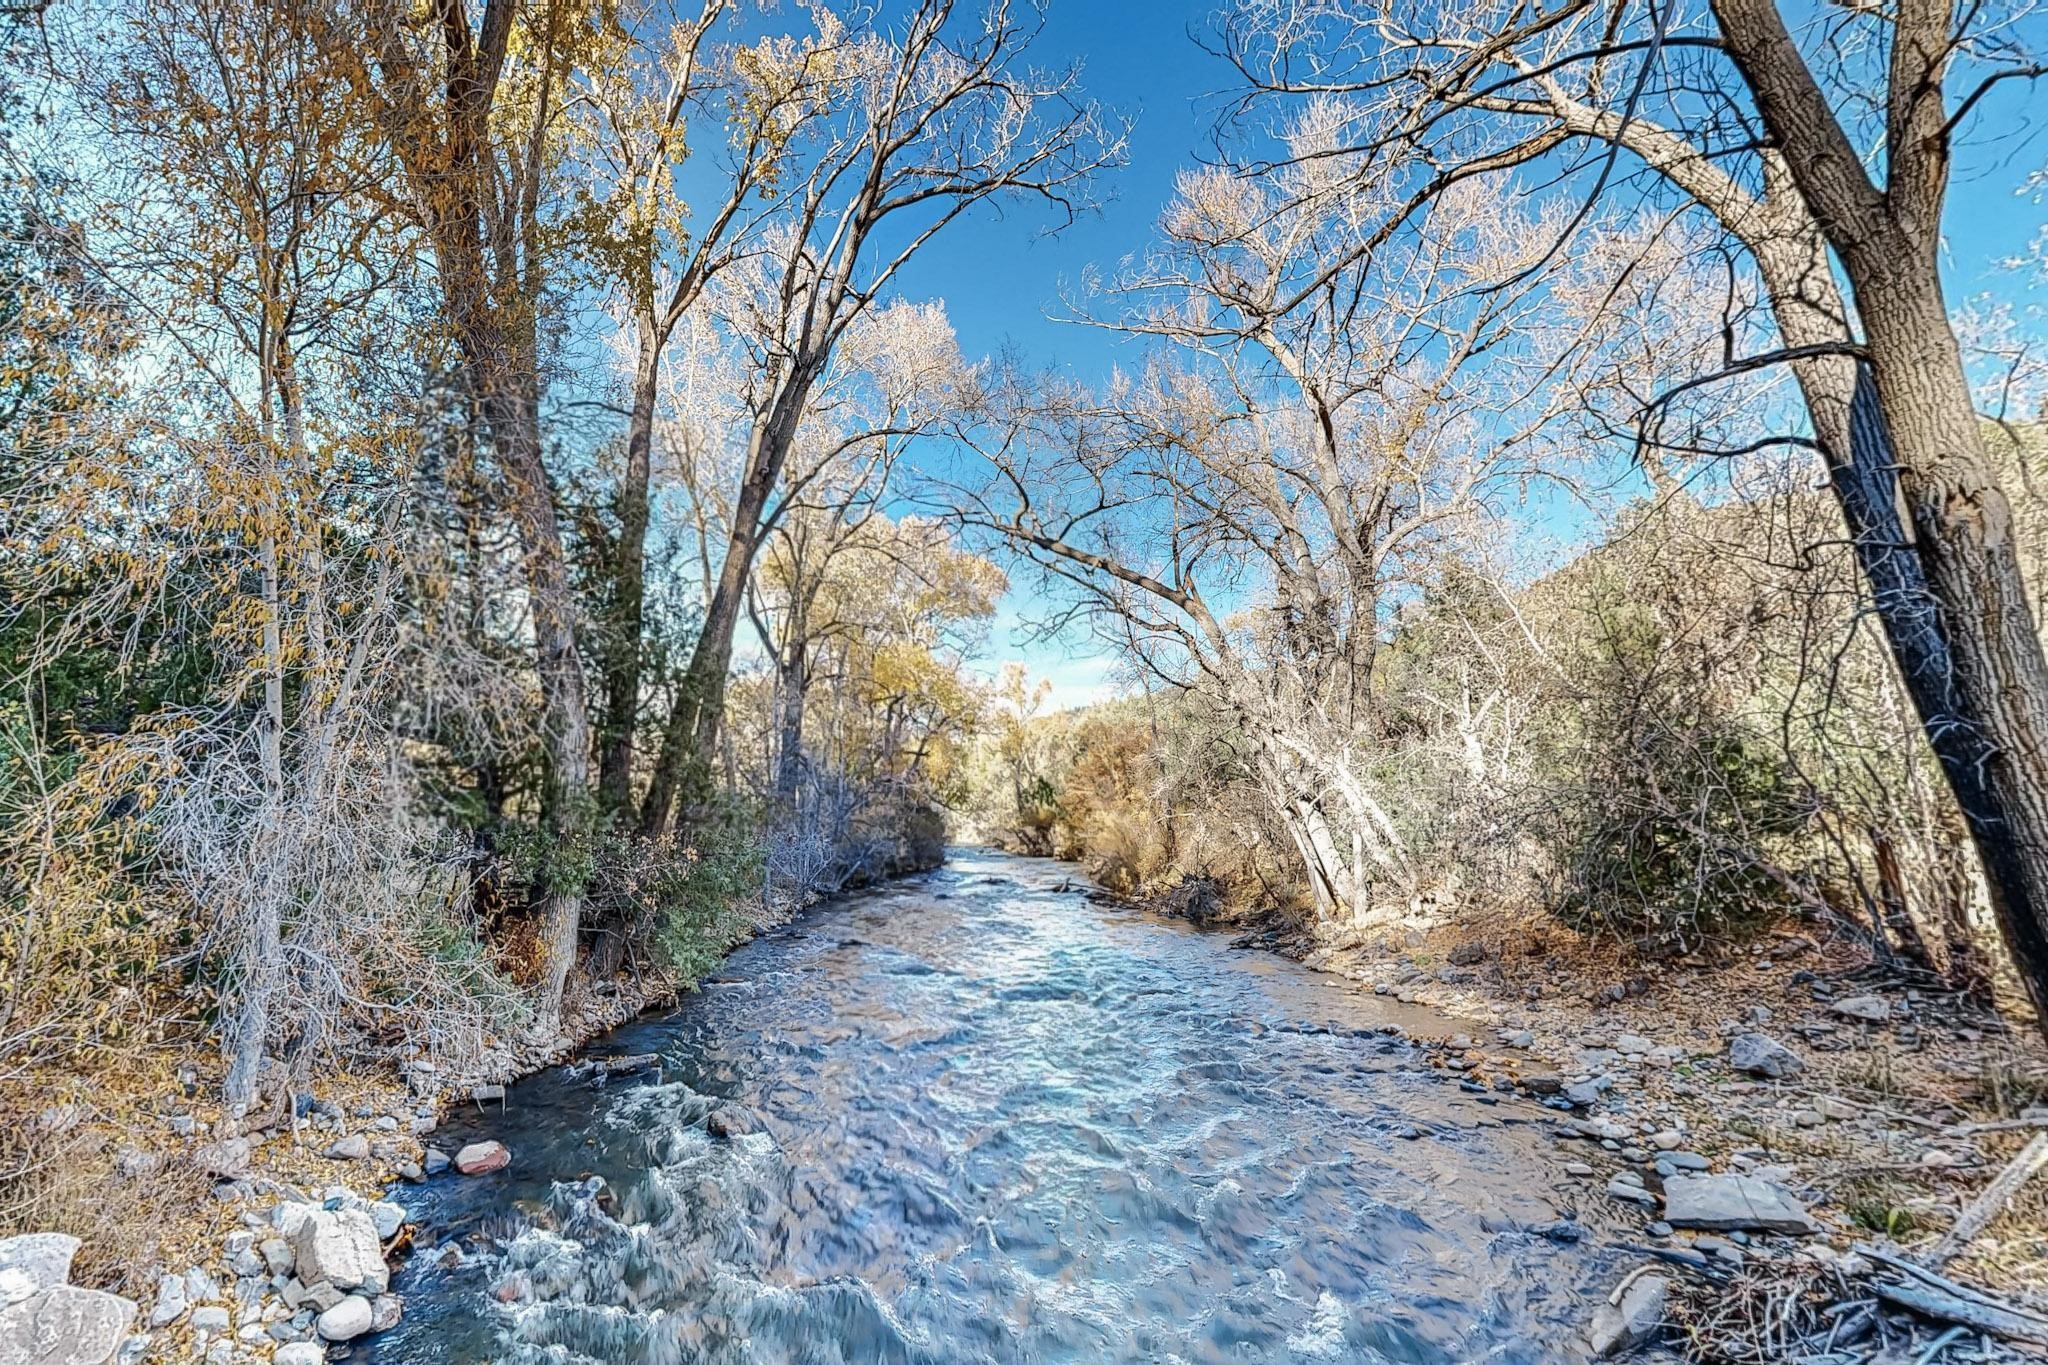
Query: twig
{"points": [[1940, 1344]]}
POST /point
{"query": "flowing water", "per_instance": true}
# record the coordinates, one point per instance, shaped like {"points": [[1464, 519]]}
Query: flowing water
{"points": [[997, 1122]]}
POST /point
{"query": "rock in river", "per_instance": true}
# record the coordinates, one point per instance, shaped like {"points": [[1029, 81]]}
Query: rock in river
{"points": [[1733, 1203], [1618, 1328], [481, 1158]]}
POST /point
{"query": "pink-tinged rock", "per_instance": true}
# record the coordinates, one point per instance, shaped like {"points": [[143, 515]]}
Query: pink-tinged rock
{"points": [[481, 1158]]}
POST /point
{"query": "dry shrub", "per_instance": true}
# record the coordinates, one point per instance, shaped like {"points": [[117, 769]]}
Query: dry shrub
{"points": [[118, 1198]]}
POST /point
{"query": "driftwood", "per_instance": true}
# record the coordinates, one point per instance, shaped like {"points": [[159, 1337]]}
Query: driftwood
{"points": [[1936, 1296], [1987, 1205]]}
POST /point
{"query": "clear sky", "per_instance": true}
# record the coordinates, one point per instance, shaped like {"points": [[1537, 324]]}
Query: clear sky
{"points": [[1001, 276]]}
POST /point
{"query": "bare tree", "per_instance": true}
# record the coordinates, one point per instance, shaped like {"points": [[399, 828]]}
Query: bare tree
{"points": [[927, 118], [253, 494], [1299, 457], [1766, 130]]}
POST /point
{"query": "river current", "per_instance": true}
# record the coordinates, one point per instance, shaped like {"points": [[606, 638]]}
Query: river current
{"points": [[993, 1121]]}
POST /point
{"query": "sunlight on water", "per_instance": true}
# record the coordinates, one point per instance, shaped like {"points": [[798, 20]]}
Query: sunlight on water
{"points": [[979, 1118]]}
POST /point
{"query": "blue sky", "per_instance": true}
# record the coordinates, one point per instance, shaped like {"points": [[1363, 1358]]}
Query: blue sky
{"points": [[1001, 276]]}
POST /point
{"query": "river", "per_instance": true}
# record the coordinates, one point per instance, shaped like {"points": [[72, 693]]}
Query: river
{"points": [[994, 1121]]}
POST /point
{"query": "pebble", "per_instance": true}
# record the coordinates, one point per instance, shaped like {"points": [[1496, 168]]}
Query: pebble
{"points": [[1759, 1054], [388, 1218]]}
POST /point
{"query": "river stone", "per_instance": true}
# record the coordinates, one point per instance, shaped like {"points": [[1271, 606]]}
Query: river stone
{"points": [[347, 1320], [227, 1159], [1733, 1203], [1635, 1320], [277, 1254], [45, 1257], [65, 1325], [385, 1312], [481, 1158], [388, 1217], [354, 1147], [300, 1353], [171, 1301], [340, 1247], [16, 1285], [1634, 1193], [1759, 1054], [1872, 1009]]}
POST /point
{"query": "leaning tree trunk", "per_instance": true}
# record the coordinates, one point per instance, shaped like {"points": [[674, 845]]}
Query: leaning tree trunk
{"points": [[1849, 422], [691, 736], [1989, 724]]}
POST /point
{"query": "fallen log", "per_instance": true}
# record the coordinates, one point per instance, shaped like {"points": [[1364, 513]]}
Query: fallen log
{"points": [[2003, 1323], [1936, 1296]]}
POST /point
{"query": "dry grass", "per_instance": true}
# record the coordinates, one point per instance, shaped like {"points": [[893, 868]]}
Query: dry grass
{"points": [[88, 1156]]}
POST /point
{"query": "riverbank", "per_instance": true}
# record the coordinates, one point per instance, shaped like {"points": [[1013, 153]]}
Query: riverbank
{"points": [[1884, 1125], [187, 1217], [1886, 1108]]}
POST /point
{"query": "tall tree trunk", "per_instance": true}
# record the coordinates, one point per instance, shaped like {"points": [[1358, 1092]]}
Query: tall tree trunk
{"points": [[628, 594], [2001, 788], [1988, 721], [792, 682], [512, 416], [690, 739]]}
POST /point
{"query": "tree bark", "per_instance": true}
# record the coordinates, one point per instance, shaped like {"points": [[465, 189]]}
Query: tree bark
{"points": [[628, 588], [691, 736], [1987, 719], [513, 420]]}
